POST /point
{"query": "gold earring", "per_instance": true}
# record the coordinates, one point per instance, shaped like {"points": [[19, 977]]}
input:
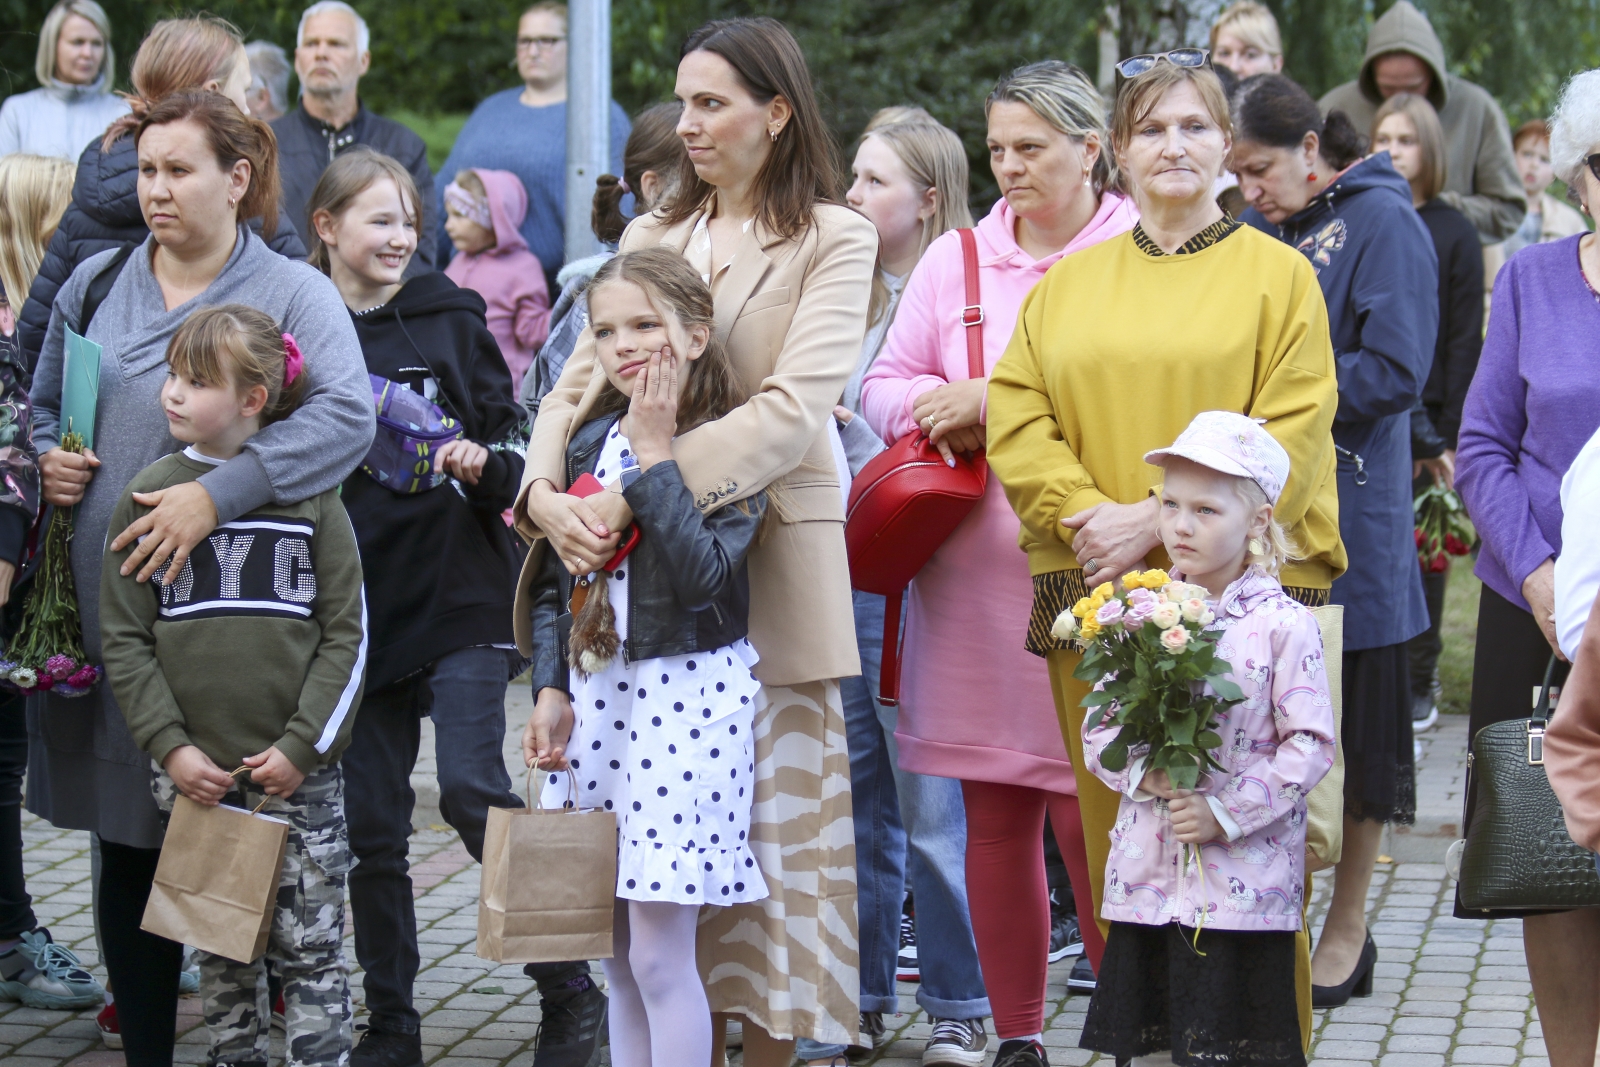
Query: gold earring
{"points": [[1255, 546]]}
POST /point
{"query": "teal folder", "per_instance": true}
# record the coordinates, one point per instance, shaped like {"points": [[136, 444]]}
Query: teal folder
{"points": [[80, 387]]}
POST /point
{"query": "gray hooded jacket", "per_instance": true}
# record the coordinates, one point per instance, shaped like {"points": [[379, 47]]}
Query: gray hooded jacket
{"points": [[1480, 168]]}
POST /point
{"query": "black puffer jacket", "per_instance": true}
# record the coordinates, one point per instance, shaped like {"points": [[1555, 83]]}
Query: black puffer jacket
{"points": [[690, 590], [104, 213]]}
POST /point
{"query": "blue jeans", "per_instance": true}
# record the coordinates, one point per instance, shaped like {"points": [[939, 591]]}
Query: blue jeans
{"points": [[908, 827]]}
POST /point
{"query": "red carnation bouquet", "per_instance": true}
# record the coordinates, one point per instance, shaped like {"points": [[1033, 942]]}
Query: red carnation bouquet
{"points": [[1442, 527]]}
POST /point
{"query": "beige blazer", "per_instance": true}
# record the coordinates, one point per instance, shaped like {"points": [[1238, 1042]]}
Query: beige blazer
{"points": [[792, 313]]}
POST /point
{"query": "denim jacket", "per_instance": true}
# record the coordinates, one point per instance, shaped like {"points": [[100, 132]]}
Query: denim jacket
{"points": [[688, 587]]}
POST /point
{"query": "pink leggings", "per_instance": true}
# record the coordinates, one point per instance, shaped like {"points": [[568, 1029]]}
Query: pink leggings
{"points": [[1009, 901]]}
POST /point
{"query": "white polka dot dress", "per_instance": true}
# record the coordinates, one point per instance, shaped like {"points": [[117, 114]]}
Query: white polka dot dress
{"points": [[667, 745]]}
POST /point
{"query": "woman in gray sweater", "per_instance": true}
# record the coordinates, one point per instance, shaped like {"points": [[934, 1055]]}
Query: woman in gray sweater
{"points": [[204, 169]]}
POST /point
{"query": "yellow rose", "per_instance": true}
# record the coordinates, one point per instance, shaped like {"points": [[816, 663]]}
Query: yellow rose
{"points": [[1091, 628], [1131, 580], [1103, 592], [1155, 579], [1083, 607]]}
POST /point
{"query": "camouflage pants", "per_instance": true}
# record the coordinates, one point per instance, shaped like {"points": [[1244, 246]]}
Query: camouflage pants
{"points": [[306, 946]]}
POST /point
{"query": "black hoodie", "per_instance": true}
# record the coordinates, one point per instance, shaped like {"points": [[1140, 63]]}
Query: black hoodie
{"points": [[440, 565]]}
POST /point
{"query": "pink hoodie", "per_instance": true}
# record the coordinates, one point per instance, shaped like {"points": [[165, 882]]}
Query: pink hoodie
{"points": [[974, 704], [508, 277]]}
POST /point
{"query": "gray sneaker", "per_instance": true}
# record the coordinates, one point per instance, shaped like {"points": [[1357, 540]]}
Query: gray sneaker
{"points": [[956, 1041], [1424, 712], [43, 974]]}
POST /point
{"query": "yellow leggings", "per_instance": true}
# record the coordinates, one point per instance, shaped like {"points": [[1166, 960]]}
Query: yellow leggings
{"points": [[1098, 805]]}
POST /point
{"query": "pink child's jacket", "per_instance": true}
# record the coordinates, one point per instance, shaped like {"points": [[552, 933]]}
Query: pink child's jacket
{"points": [[508, 277], [1276, 746], [974, 704]]}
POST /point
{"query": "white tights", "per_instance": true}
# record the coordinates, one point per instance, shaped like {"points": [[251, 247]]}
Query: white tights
{"points": [[659, 1013]]}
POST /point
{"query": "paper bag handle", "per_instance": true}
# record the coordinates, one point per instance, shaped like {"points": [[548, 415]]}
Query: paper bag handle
{"points": [[538, 805], [257, 809]]}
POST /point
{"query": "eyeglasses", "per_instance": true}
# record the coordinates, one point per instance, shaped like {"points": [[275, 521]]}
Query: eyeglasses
{"points": [[1182, 57], [539, 44], [1594, 165]]}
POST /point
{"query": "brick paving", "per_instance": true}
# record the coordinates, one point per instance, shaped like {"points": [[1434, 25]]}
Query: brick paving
{"points": [[1447, 991]]}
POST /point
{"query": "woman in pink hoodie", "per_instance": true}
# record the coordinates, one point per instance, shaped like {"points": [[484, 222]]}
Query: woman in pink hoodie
{"points": [[484, 209], [975, 705]]}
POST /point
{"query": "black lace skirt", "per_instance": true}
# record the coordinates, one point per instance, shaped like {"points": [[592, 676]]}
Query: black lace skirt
{"points": [[1233, 1006], [1380, 772]]}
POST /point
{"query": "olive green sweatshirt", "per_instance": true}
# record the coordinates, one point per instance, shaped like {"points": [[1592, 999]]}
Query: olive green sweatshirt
{"points": [[261, 640]]}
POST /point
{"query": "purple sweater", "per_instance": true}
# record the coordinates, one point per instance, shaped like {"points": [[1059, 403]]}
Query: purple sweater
{"points": [[1534, 403]]}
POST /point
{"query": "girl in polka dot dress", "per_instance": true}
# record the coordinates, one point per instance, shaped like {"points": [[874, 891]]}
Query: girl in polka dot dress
{"points": [[642, 674]]}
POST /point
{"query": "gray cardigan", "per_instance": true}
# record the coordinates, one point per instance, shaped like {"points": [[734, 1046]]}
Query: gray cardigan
{"points": [[84, 770]]}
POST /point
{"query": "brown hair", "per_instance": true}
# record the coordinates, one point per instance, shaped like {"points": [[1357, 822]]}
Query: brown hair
{"points": [[1430, 138], [654, 145], [468, 179], [346, 178], [233, 136], [713, 389], [1532, 128], [1272, 110], [34, 193], [177, 54], [232, 344], [1139, 96], [803, 168]]}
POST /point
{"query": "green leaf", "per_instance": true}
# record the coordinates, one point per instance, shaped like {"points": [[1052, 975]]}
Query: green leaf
{"points": [[1115, 756], [1208, 739]]}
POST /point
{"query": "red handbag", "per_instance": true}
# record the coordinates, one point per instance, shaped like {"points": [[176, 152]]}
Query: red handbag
{"points": [[906, 501]]}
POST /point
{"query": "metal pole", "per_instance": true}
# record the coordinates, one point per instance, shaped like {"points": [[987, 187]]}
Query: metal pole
{"points": [[588, 117]]}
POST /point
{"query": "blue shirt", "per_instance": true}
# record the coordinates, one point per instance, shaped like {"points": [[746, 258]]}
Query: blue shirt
{"points": [[530, 142]]}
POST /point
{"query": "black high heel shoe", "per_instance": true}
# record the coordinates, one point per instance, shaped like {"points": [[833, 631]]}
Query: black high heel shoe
{"points": [[1359, 984]]}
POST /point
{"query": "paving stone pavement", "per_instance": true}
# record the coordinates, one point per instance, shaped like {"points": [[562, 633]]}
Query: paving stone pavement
{"points": [[1447, 991]]}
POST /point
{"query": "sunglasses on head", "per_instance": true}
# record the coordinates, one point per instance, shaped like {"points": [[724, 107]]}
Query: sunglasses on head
{"points": [[1182, 57]]}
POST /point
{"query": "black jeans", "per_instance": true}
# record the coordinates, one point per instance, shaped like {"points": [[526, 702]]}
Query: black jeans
{"points": [[16, 907], [464, 692], [1426, 647], [143, 968]]}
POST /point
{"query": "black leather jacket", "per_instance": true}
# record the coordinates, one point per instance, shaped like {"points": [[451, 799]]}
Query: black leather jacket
{"points": [[688, 589]]}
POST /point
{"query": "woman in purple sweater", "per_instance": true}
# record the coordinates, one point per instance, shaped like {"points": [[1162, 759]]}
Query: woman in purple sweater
{"points": [[1534, 403]]}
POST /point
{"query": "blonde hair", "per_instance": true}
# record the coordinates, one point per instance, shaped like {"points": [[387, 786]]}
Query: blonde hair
{"points": [[34, 192], [177, 54], [1066, 98], [346, 178], [238, 346], [1430, 138], [1252, 23], [44, 62], [1277, 547], [934, 158]]}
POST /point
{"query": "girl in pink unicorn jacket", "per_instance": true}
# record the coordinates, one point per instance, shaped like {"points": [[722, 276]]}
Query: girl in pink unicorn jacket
{"points": [[1228, 995]]}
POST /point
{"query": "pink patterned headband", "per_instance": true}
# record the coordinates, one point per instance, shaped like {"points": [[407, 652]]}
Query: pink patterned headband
{"points": [[468, 205]]}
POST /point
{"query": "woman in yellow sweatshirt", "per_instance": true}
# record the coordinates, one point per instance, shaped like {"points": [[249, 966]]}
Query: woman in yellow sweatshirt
{"points": [[1120, 345]]}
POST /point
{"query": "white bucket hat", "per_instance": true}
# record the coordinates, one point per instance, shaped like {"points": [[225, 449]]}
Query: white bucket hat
{"points": [[1234, 444]]}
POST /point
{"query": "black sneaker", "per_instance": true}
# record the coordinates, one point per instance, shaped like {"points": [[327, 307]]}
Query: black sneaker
{"points": [[872, 1031], [1081, 980], [572, 1028], [1019, 1052], [380, 1048], [906, 967], [1424, 712], [1066, 939]]}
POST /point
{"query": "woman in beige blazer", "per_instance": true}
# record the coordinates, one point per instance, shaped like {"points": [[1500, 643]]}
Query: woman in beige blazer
{"points": [[791, 273]]}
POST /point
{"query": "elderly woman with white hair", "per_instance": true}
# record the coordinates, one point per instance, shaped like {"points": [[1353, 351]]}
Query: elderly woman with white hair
{"points": [[1534, 403], [73, 104]]}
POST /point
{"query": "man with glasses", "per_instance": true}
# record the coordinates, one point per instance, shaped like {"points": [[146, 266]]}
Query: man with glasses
{"points": [[1405, 55], [525, 131], [330, 56]]}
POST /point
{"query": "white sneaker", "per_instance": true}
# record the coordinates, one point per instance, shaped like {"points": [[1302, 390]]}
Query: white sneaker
{"points": [[956, 1041]]}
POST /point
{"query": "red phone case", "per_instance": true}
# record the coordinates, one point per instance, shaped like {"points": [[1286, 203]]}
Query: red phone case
{"points": [[588, 485]]}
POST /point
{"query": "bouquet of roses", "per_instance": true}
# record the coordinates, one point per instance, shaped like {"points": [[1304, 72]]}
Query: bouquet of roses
{"points": [[1442, 527], [47, 652], [1151, 649]]}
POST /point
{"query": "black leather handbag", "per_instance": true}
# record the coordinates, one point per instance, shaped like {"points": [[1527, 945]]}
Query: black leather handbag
{"points": [[1518, 855]]}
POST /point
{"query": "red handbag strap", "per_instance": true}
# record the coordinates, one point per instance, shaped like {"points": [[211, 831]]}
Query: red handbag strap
{"points": [[889, 667], [972, 314]]}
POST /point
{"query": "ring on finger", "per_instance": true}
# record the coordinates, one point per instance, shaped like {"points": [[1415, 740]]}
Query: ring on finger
{"points": [[1089, 566]]}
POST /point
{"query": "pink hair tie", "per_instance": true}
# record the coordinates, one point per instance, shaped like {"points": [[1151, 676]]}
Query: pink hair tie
{"points": [[622, 183], [293, 361]]}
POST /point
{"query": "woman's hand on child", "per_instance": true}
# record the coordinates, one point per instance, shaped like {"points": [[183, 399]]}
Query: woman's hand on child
{"points": [[196, 776], [462, 460], [64, 475], [274, 772], [184, 514], [1193, 821], [544, 740], [653, 412]]}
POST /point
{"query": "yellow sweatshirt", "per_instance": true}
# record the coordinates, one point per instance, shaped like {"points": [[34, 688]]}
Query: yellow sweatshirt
{"points": [[1115, 351]]}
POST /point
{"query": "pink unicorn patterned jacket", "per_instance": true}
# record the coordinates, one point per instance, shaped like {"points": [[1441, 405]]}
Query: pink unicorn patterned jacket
{"points": [[1277, 745]]}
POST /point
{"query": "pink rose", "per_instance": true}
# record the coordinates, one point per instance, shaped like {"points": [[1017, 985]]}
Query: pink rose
{"points": [[1175, 640], [1141, 612], [1110, 612], [1141, 596]]}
